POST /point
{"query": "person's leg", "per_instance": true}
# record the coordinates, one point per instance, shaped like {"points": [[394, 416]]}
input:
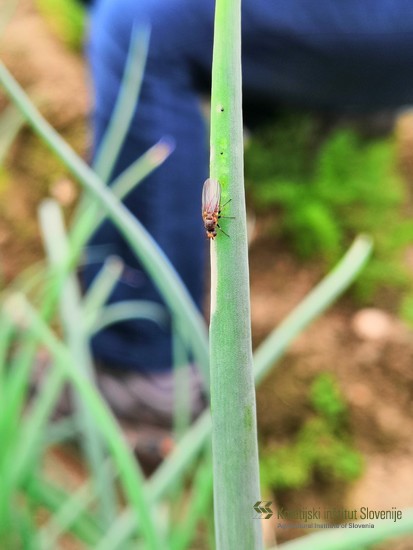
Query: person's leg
{"points": [[168, 202], [342, 56]]}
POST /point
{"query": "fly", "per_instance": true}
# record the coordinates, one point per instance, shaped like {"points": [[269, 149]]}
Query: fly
{"points": [[211, 208]]}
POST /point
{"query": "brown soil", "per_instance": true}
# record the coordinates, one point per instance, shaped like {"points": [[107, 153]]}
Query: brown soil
{"points": [[375, 375], [370, 351], [56, 80]]}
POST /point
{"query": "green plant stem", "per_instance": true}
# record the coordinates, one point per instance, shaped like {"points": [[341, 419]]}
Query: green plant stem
{"points": [[15, 394], [60, 431], [348, 539], [125, 104], [56, 244], [164, 479], [65, 516], [71, 509], [43, 493], [198, 509], [102, 287], [316, 301], [127, 180], [89, 215], [181, 413], [152, 258], [25, 455], [128, 309], [118, 126], [11, 122], [119, 533], [234, 430]]}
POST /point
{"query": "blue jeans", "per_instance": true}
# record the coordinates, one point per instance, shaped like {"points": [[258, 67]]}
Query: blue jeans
{"points": [[321, 53]]}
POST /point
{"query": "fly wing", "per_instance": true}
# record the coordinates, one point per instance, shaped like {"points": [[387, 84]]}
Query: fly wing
{"points": [[211, 196]]}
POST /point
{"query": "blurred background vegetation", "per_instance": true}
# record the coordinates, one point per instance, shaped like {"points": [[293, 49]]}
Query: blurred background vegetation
{"points": [[314, 183], [322, 186], [68, 22]]}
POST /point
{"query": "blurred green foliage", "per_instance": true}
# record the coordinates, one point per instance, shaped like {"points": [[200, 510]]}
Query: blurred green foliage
{"points": [[323, 188], [322, 445], [326, 398], [406, 308], [67, 20]]}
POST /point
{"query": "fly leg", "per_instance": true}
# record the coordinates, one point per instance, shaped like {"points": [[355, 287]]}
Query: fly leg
{"points": [[224, 217], [220, 228]]}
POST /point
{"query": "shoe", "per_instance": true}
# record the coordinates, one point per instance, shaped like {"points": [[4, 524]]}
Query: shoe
{"points": [[143, 404], [148, 398]]}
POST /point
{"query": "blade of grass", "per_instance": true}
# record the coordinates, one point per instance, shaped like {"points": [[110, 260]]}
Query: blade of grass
{"points": [[60, 431], [16, 382], [46, 495], [11, 122], [48, 535], [121, 117], [164, 479], [16, 393], [126, 103], [54, 237], [28, 447], [181, 420], [151, 256], [24, 528], [120, 531], [128, 309], [102, 286], [181, 412], [316, 301], [198, 507], [266, 355], [142, 167], [56, 246], [26, 357], [62, 520], [233, 410], [89, 215], [30, 279]]}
